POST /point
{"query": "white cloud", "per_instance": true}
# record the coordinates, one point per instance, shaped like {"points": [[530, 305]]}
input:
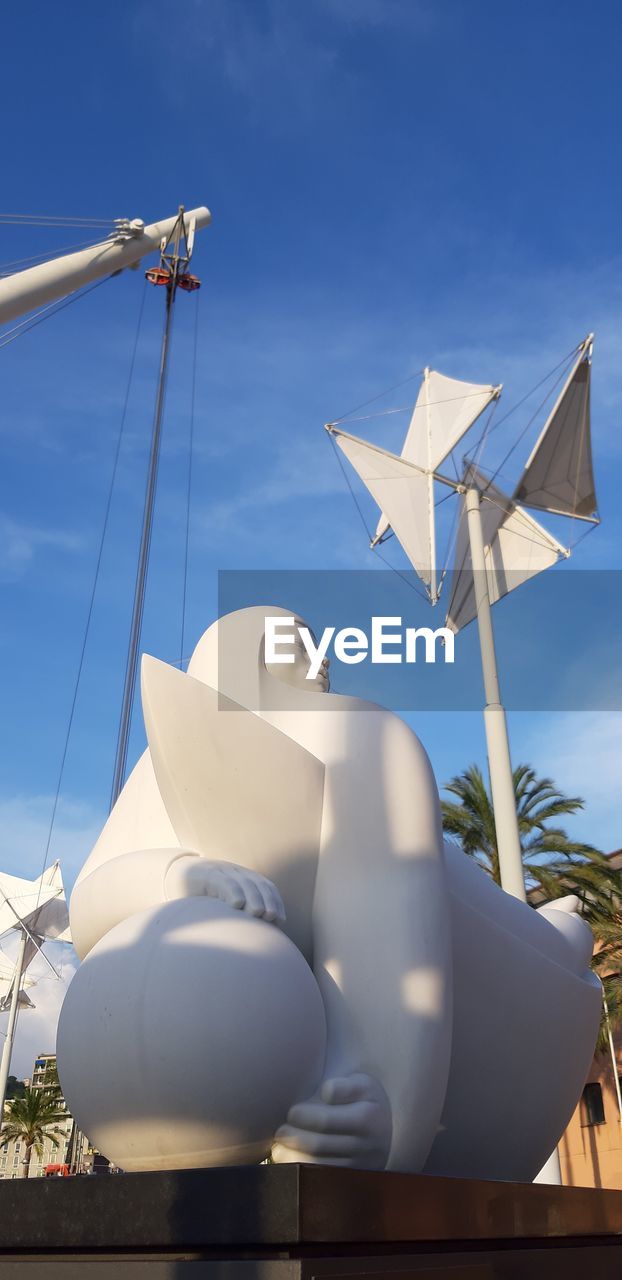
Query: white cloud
{"points": [[294, 474], [20, 542], [405, 15], [582, 752], [279, 50], [36, 1028], [24, 826]]}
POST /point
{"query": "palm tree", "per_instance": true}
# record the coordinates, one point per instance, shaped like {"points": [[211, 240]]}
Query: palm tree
{"points": [[30, 1120], [608, 965], [553, 863]]}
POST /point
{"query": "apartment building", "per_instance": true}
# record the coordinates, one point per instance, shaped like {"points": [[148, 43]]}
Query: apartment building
{"points": [[591, 1148], [73, 1148]]}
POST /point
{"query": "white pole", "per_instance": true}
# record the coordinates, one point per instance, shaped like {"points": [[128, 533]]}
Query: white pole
{"points": [[10, 1032], [498, 747], [127, 702], [551, 1172], [431, 520], [499, 762], [612, 1051], [59, 277]]}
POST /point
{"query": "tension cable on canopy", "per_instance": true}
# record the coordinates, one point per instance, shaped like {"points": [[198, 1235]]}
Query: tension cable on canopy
{"points": [[396, 386], [566, 360], [532, 419], [584, 534]]}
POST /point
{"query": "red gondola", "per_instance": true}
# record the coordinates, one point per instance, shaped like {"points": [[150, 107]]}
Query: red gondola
{"points": [[158, 275], [189, 282]]}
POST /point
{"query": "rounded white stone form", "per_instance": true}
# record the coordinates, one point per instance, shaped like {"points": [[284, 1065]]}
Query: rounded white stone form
{"points": [[187, 1034]]}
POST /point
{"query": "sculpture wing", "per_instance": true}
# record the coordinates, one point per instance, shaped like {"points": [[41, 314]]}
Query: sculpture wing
{"points": [[235, 788]]}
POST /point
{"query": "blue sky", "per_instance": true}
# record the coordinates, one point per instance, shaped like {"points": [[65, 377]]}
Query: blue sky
{"points": [[393, 183]]}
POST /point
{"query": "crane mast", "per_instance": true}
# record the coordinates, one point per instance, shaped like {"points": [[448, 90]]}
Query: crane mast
{"points": [[38, 286]]}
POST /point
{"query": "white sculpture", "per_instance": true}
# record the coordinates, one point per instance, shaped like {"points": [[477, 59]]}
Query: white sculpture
{"points": [[194, 1033]]}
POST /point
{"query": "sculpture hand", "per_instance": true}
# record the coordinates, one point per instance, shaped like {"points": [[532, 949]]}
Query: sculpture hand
{"points": [[348, 1123], [191, 877]]}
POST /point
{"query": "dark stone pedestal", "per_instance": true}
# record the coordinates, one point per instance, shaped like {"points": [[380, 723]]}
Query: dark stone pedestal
{"points": [[296, 1222]]}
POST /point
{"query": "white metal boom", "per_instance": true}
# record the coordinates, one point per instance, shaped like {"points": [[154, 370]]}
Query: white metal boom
{"points": [[27, 290]]}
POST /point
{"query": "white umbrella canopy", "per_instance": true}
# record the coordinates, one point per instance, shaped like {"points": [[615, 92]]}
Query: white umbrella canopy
{"points": [[403, 485], [558, 478], [559, 474], [7, 976], [38, 905], [516, 548]]}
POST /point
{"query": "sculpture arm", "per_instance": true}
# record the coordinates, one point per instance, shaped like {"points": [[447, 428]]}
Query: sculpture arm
{"points": [[116, 889], [131, 883]]}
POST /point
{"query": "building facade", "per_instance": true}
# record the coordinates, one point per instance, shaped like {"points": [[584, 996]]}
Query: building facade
{"points": [[73, 1149], [591, 1149]]}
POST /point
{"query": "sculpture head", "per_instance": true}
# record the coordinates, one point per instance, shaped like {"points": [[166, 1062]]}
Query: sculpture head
{"points": [[230, 656], [295, 673]]}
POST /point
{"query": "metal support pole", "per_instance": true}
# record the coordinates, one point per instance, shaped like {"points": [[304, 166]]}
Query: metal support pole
{"points": [[173, 266], [498, 747], [431, 520], [612, 1051], [497, 743], [551, 1172], [143, 556], [5, 1063], [143, 560]]}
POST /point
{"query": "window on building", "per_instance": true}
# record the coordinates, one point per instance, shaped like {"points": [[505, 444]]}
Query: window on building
{"points": [[592, 1106]]}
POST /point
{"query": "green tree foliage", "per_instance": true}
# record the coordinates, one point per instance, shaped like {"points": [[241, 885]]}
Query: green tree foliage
{"points": [[608, 965], [553, 862], [15, 1088], [31, 1119]]}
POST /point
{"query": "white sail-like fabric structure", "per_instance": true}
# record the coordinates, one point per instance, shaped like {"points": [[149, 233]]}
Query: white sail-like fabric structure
{"points": [[558, 478], [38, 905], [559, 475], [40, 908], [7, 978], [444, 410], [516, 549], [403, 486], [398, 487]]}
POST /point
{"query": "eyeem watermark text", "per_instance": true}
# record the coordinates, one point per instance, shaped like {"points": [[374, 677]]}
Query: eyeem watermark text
{"points": [[389, 642]]}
